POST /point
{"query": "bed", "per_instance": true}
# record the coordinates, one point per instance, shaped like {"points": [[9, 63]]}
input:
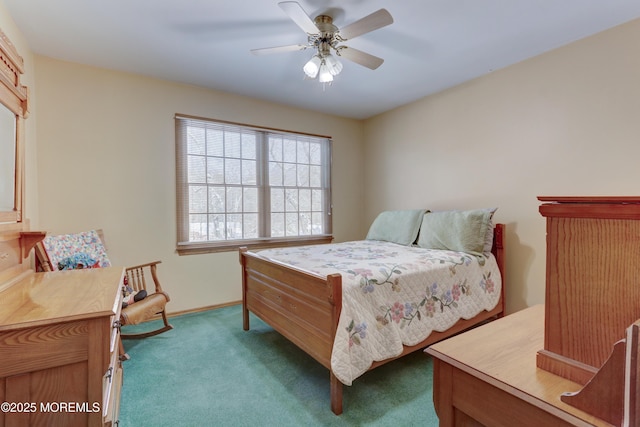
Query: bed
{"points": [[354, 306]]}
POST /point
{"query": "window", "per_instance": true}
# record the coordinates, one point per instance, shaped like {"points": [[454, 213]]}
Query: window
{"points": [[246, 186]]}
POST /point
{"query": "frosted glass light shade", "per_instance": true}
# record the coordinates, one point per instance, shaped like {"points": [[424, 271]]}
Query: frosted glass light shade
{"points": [[333, 65], [312, 67], [325, 73]]}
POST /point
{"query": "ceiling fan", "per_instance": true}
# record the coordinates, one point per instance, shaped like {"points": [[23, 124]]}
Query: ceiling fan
{"points": [[325, 38]]}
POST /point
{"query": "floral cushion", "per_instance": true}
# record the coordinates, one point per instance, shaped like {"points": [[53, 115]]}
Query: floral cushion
{"points": [[78, 261], [85, 248]]}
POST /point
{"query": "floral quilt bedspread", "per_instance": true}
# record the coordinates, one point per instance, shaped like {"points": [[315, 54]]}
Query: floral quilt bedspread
{"points": [[394, 295]]}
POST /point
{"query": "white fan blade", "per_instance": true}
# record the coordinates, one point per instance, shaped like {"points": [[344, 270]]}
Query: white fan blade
{"points": [[299, 16], [360, 57], [279, 49], [371, 22]]}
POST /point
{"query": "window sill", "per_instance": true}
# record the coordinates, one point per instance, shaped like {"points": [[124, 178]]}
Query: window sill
{"points": [[210, 247]]}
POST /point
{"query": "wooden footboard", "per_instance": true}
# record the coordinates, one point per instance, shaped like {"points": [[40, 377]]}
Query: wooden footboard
{"points": [[301, 306], [305, 307]]}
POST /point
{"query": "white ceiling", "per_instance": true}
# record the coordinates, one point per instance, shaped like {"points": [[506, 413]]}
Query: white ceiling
{"points": [[432, 44]]}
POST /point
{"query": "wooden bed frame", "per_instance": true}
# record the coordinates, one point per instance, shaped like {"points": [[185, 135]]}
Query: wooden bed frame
{"points": [[305, 307]]}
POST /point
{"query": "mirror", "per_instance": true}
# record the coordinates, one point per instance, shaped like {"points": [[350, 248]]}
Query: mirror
{"points": [[13, 110], [7, 159]]}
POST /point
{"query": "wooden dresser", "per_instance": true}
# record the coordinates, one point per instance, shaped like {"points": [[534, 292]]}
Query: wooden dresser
{"points": [[488, 377], [59, 348], [59, 341]]}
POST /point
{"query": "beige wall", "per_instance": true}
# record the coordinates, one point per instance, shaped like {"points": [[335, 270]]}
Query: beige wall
{"points": [[564, 123], [106, 151]]}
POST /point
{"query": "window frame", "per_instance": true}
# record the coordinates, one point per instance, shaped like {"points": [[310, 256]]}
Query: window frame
{"points": [[185, 247]]}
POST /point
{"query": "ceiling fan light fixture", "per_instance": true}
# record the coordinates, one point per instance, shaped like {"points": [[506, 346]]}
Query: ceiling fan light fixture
{"points": [[312, 67], [333, 65], [324, 37]]}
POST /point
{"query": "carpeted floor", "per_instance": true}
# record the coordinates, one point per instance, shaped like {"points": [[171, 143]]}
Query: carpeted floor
{"points": [[207, 371]]}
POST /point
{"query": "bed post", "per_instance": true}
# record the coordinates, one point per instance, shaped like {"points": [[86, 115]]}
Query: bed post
{"points": [[245, 310], [335, 284], [336, 395], [499, 253]]}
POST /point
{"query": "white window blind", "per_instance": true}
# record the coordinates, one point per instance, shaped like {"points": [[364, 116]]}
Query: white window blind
{"points": [[239, 185]]}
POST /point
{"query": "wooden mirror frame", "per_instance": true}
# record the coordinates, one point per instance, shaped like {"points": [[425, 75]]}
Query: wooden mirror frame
{"points": [[14, 96]]}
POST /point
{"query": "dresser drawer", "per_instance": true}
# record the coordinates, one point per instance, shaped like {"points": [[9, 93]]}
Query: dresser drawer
{"points": [[112, 380], [115, 323], [111, 413], [110, 386]]}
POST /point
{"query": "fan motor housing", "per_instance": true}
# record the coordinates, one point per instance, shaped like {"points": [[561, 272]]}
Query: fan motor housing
{"points": [[325, 24], [326, 40]]}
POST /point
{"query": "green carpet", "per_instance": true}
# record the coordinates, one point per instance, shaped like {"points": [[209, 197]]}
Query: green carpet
{"points": [[207, 371]]}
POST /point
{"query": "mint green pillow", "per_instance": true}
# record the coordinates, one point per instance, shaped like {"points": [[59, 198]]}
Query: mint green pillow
{"points": [[462, 231], [396, 226]]}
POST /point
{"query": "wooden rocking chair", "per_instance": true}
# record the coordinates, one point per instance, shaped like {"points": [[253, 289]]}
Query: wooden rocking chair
{"points": [[153, 304], [54, 250]]}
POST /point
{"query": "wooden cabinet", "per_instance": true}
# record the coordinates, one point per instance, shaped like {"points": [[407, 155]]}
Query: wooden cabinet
{"points": [[59, 348], [592, 292]]}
